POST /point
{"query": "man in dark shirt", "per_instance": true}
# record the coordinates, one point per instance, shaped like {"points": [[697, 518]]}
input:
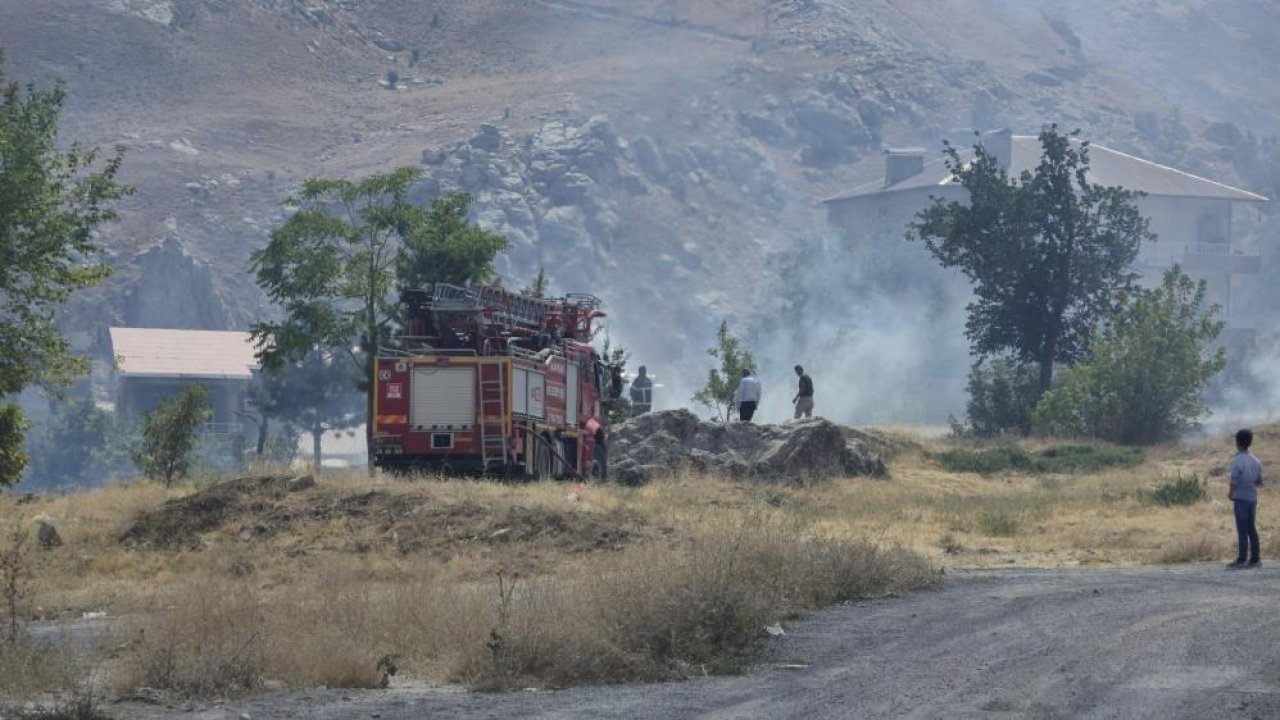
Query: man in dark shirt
{"points": [[804, 397], [641, 393]]}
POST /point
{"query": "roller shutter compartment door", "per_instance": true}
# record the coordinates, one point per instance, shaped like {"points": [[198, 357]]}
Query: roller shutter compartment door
{"points": [[443, 398]]}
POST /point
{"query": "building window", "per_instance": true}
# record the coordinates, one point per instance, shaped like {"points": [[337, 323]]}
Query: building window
{"points": [[1211, 229]]}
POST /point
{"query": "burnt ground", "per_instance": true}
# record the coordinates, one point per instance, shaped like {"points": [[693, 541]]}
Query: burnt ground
{"points": [[1196, 642], [260, 508]]}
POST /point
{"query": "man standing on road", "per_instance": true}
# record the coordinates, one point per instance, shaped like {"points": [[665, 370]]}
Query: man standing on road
{"points": [[804, 396], [1246, 478], [747, 396]]}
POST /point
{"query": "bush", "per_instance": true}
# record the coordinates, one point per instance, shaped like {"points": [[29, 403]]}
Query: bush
{"points": [[169, 434], [1143, 382], [13, 431], [998, 523], [1059, 459], [1182, 491], [1002, 396], [79, 445]]}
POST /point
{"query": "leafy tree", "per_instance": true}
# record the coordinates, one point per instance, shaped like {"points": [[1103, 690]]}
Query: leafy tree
{"points": [[1143, 382], [315, 394], [333, 263], [78, 441], [331, 266], [51, 203], [169, 434], [1048, 252], [538, 287], [614, 357], [734, 358], [441, 246], [13, 458], [1002, 396]]}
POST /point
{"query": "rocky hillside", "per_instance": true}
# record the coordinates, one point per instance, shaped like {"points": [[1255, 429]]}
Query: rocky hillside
{"points": [[662, 153]]}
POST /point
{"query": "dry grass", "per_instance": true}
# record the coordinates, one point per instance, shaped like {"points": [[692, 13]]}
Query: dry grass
{"points": [[366, 576]]}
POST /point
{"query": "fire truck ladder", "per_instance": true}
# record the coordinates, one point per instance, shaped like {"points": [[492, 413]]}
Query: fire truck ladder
{"points": [[493, 413]]}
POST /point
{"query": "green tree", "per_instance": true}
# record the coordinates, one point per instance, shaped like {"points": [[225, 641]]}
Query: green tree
{"points": [[1148, 368], [51, 203], [333, 264], [615, 357], [734, 357], [170, 433], [331, 267], [13, 457], [538, 287], [78, 442], [315, 394], [1002, 395], [441, 246], [1048, 252]]}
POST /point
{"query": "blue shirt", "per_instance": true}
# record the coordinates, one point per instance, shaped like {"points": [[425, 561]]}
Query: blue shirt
{"points": [[1246, 476]]}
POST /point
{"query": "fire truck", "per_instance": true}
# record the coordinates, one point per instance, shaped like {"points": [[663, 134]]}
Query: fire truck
{"points": [[488, 381]]}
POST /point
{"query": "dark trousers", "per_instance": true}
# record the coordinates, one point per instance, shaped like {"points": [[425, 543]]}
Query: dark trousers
{"points": [[1247, 530], [746, 410]]}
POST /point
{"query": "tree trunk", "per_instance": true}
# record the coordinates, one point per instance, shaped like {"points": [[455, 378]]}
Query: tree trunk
{"points": [[317, 432], [1046, 374], [262, 436]]}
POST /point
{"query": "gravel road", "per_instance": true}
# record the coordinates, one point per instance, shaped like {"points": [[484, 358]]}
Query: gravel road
{"points": [[1196, 642]]}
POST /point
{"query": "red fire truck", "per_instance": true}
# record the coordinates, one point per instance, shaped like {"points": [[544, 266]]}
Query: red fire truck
{"points": [[486, 380]]}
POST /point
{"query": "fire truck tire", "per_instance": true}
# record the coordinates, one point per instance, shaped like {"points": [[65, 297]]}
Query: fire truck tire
{"points": [[600, 462], [546, 459]]}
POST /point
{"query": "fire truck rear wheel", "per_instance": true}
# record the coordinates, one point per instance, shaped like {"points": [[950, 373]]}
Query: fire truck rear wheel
{"points": [[545, 459], [600, 462]]}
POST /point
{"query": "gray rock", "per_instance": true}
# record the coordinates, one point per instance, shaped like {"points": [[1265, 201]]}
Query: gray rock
{"points": [[794, 453], [1224, 133], [648, 158], [489, 138], [48, 536], [174, 290], [765, 129]]}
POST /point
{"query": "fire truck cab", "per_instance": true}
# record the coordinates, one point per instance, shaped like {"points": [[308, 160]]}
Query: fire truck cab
{"points": [[489, 381]]}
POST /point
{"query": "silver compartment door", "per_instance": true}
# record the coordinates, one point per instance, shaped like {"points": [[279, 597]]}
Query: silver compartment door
{"points": [[443, 398]]}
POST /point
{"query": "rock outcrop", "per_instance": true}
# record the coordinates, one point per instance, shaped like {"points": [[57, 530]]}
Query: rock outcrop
{"points": [[174, 290], [794, 453]]}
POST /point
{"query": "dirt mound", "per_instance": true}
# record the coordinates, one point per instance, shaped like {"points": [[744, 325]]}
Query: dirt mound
{"points": [[180, 522], [794, 453], [256, 508]]}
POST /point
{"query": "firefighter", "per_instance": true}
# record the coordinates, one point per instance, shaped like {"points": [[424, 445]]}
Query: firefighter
{"points": [[641, 394]]}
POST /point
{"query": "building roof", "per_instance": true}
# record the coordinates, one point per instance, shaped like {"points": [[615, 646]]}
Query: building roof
{"points": [[1107, 167], [208, 354]]}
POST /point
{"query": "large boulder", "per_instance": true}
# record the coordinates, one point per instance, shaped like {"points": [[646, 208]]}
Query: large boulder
{"points": [[794, 453]]}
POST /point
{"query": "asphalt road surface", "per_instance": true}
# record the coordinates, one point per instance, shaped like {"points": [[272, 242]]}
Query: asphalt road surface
{"points": [[1197, 642]]}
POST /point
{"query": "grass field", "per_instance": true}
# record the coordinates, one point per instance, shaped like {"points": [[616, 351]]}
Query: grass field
{"points": [[348, 581]]}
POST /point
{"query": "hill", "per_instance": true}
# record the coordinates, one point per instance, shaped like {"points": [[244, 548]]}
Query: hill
{"points": [[665, 154]]}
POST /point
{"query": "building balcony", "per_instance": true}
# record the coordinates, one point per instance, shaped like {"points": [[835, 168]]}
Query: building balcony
{"points": [[1203, 258]]}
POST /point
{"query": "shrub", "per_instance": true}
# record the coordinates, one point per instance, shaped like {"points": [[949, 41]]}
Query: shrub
{"points": [[1002, 396], [1058, 459], [169, 434], [1143, 382], [998, 523], [1182, 491]]}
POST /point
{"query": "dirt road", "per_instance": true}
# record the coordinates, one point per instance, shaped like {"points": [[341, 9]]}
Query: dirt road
{"points": [[1196, 642]]}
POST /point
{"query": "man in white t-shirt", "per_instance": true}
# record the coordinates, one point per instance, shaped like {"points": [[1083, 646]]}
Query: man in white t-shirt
{"points": [[747, 396]]}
